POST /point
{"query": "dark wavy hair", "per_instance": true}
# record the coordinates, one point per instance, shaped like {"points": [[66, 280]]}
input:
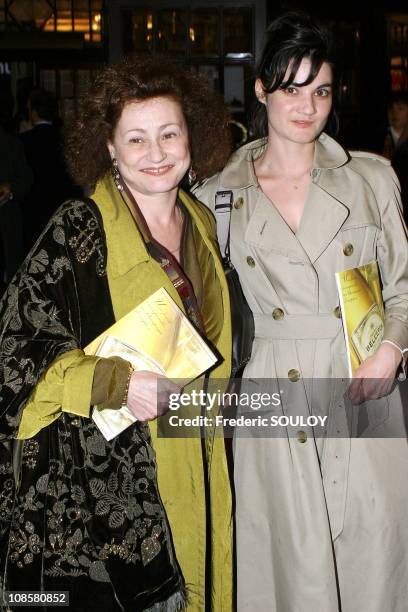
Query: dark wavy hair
{"points": [[289, 39], [136, 79]]}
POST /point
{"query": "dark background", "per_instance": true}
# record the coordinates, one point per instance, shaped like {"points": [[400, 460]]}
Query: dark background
{"points": [[61, 49]]}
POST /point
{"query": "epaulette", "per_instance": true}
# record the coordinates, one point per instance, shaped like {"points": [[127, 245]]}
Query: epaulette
{"points": [[371, 155]]}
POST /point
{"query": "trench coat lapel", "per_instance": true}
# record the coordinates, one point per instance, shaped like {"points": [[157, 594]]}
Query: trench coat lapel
{"points": [[268, 231], [262, 227], [325, 210], [322, 218]]}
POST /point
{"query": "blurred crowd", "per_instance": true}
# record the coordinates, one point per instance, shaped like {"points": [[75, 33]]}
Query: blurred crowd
{"points": [[33, 177]]}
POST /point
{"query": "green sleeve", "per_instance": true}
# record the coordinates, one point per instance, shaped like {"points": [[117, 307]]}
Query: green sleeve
{"points": [[73, 383], [66, 386]]}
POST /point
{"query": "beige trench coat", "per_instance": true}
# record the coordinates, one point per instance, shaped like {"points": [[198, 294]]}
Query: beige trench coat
{"points": [[321, 524]]}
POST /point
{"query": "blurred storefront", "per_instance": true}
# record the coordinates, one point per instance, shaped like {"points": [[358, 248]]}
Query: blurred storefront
{"points": [[60, 44], [56, 44], [398, 50], [221, 40]]}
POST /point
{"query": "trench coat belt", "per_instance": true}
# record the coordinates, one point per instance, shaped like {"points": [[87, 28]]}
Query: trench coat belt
{"points": [[297, 327]]}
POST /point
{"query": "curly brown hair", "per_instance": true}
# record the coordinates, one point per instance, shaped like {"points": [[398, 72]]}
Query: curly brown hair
{"points": [[134, 79]]}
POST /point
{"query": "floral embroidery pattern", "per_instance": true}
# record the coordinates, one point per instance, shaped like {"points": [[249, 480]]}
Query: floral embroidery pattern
{"points": [[125, 497], [6, 496], [85, 508], [85, 244], [25, 544], [30, 453]]}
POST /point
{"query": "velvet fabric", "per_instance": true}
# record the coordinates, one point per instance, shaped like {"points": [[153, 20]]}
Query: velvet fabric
{"points": [[85, 515]]}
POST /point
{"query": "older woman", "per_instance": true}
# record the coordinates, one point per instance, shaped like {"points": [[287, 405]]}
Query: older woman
{"points": [[82, 514]]}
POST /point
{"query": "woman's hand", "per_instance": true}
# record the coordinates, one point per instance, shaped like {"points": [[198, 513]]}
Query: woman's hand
{"points": [[376, 375], [143, 399]]}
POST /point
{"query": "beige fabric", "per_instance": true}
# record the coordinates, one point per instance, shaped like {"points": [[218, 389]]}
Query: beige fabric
{"points": [[304, 509]]}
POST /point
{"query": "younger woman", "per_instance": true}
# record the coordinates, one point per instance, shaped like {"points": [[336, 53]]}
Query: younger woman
{"points": [[321, 523]]}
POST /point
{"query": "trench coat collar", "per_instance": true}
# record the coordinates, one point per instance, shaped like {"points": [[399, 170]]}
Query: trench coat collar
{"points": [[326, 208], [329, 201], [238, 175], [322, 219], [329, 154], [127, 248]]}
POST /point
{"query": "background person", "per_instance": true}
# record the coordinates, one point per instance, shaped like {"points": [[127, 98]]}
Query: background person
{"points": [[397, 123], [321, 522], [89, 516], [44, 153], [396, 142], [15, 181], [400, 165]]}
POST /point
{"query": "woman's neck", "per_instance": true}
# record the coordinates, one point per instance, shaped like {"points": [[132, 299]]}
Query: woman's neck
{"points": [[285, 159], [159, 210], [164, 219]]}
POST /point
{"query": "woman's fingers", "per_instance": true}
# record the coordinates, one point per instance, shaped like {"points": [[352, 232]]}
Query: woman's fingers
{"points": [[375, 376], [363, 389], [148, 395]]}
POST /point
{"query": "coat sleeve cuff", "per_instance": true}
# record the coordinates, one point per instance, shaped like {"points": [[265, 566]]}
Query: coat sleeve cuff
{"points": [[396, 332], [78, 383], [51, 395], [109, 383]]}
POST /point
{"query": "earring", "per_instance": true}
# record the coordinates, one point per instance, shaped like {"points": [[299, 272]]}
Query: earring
{"points": [[116, 174], [192, 175]]}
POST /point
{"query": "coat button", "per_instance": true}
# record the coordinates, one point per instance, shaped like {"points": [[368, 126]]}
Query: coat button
{"points": [[239, 202], [348, 249], [251, 262], [315, 173], [294, 375], [337, 312], [301, 436], [278, 314]]}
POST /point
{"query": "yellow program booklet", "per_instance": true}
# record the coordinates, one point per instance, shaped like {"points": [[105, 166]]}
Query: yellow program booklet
{"points": [[154, 336], [362, 311]]}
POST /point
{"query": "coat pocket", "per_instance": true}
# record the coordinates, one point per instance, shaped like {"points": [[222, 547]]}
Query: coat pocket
{"points": [[370, 416]]}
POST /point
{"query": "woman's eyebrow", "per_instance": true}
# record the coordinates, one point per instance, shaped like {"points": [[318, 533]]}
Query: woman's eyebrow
{"points": [[135, 129], [168, 124], [317, 86], [161, 127]]}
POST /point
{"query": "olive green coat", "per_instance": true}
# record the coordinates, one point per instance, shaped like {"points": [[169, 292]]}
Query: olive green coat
{"points": [[133, 276]]}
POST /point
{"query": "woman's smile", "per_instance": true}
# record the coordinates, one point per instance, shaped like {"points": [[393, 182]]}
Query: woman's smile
{"points": [[158, 171]]}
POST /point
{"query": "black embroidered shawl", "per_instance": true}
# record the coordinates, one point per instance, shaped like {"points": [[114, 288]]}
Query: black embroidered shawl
{"points": [[87, 516]]}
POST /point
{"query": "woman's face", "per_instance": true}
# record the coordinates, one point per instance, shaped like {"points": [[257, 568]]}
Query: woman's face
{"points": [[151, 146], [299, 113]]}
